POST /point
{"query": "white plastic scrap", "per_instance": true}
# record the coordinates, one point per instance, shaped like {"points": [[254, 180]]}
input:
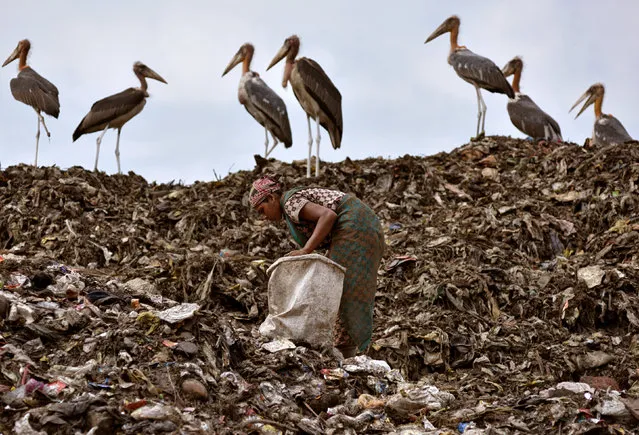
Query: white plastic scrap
{"points": [[141, 286], [411, 397], [23, 427], [156, 412], [71, 371], [278, 344], [178, 313], [364, 364], [591, 275], [613, 407], [70, 281], [20, 311], [13, 257], [18, 354], [567, 388]]}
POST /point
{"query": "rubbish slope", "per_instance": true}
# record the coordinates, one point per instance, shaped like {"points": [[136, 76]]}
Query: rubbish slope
{"points": [[507, 300]]}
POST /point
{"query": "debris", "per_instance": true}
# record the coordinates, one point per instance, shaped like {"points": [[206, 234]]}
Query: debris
{"points": [[507, 274], [591, 275], [601, 382], [568, 388], [364, 364], [613, 407], [413, 398], [22, 427], [194, 389], [156, 412], [278, 344], [178, 313], [398, 261]]}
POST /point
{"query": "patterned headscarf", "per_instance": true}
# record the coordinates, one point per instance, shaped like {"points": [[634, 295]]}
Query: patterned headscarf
{"points": [[261, 188]]}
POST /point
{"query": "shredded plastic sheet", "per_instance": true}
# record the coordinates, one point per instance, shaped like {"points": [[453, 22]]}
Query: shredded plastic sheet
{"points": [[178, 313]]}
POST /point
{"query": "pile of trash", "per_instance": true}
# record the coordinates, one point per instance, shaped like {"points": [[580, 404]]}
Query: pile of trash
{"points": [[507, 300]]}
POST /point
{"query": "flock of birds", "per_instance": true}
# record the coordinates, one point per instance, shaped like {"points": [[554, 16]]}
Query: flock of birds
{"points": [[316, 93], [114, 111]]}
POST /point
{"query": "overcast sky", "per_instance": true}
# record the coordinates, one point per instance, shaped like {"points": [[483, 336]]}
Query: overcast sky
{"points": [[399, 95]]}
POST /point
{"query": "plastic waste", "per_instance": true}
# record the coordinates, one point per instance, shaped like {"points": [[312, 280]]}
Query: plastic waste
{"points": [[461, 427], [22, 392], [278, 345], [228, 253], [16, 280], [592, 276], [23, 427], [564, 389], [178, 313], [20, 312], [334, 374], [365, 364], [156, 412], [411, 398], [304, 293]]}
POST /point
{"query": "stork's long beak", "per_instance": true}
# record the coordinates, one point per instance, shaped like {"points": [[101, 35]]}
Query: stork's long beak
{"points": [[443, 28], [279, 56], [591, 99], [12, 57], [509, 69], [153, 75], [236, 60]]}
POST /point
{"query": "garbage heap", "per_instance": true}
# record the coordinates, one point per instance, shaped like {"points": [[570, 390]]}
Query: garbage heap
{"points": [[506, 303]]}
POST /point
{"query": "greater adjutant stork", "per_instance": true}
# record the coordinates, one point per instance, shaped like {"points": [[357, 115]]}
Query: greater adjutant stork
{"points": [[479, 71], [116, 110], [315, 92], [261, 101], [32, 89], [607, 129], [524, 113]]}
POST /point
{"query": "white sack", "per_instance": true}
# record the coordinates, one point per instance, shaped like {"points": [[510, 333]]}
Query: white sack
{"points": [[304, 293]]}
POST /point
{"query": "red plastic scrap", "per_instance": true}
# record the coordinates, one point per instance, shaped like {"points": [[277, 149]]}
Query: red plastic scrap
{"points": [[132, 406], [170, 344], [54, 388], [25, 375]]}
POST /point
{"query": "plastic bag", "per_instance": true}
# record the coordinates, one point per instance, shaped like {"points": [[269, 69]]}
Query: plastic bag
{"points": [[304, 294]]}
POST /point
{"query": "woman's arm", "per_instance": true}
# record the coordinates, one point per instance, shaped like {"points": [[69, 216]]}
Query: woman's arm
{"points": [[324, 218]]}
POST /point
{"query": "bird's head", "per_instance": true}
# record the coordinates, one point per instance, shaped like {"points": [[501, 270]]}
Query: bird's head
{"points": [[593, 93], [141, 69], [290, 48], [515, 65], [449, 25], [245, 52], [23, 45]]}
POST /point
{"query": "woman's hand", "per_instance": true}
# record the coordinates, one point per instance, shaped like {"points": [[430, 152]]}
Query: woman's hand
{"points": [[297, 252]]}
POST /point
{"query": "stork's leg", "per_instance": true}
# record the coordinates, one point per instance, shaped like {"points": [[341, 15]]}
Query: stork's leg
{"points": [[317, 142], [483, 118], [97, 148], [44, 124], [40, 120], [275, 142], [117, 149], [478, 111], [265, 143], [37, 143], [310, 147]]}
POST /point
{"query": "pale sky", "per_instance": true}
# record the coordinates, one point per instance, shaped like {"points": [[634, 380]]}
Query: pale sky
{"points": [[400, 96]]}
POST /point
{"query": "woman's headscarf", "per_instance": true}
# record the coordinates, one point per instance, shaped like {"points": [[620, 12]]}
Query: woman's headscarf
{"points": [[261, 188]]}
